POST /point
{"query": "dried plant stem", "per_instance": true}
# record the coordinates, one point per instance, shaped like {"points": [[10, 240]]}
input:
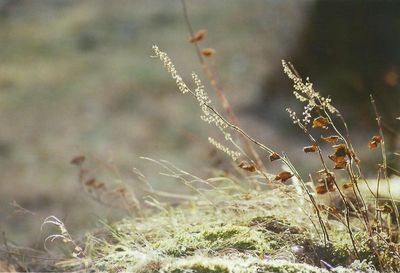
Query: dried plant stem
{"points": [[342, 195], [358, 167], [218, 90], [353, 178], [285, 160], [384, 161]]}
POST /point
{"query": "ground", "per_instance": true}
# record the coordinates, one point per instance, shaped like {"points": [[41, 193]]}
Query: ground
{"points": [[242, 232]]}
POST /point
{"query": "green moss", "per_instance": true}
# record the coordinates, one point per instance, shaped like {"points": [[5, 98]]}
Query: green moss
{"points": [[274, 224], [222, 233], [199, 268], [236, 236]]}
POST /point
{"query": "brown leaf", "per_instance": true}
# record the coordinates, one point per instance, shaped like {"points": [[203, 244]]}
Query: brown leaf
{"points": [[374, 142], [274, 156], [200, 35], [320, 122], [208, 52], [91, 182], [377, 139], [330, 139], [283, 176], [339, 156], [348, 185], [78, 160], [310, 149], [248, 167], [340, 164], [341, 150], [372, 145], [321, 189]]}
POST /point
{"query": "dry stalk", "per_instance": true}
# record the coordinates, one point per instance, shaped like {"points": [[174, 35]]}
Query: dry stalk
{"points": [[384, 166], [222, 98]]}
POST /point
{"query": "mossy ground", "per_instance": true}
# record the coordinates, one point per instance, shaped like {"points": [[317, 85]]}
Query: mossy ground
{"points": [[250, 232]]}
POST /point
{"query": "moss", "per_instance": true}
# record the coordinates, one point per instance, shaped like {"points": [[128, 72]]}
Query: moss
{"points": [[236, 236], [222, 233], [274, 224], [214, 238], [199, 268]]}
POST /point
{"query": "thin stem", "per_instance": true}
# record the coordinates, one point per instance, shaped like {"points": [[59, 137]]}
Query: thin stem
{"points": [[218, 90], [384, 160]]}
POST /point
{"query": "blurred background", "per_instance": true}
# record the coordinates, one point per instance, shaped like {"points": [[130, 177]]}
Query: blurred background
{"points": [[76, 78]]}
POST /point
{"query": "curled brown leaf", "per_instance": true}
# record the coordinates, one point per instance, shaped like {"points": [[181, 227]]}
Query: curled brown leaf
{"points": [[321, 189], [248, 167], [373, 143], [310, 149], [348, 185], [339, 156], [320, 122], [283, 176], [199, 36], [274, 156], [208, 52]]}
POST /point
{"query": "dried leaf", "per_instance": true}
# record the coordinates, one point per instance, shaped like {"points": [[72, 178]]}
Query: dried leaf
{"points": [[78, 160], [200, 35], [339, 156], [341, 150], [248, 167], [377, 139], [320, 122], [91, 182], [340, 164], [330, 139], [348, 185], [208, 52], [283, 176], [321, 189], [372, 145], [310, 149], [274, 156]]}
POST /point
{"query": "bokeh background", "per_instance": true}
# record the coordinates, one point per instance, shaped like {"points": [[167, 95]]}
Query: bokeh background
{"points": [[77, 78]]}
